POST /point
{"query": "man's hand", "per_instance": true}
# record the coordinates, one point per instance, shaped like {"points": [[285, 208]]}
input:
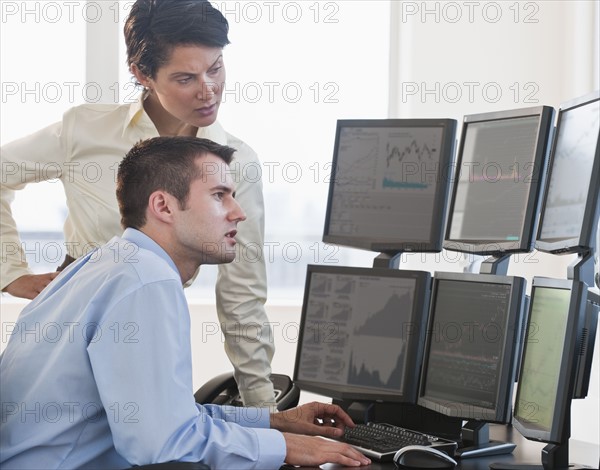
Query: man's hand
{"points": [[316, 419], [30, 285], [308, 451]]}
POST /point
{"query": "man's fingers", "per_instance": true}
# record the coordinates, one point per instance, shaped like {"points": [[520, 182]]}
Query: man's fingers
{"points": [[334, 413], [348, 456], [308, 451]]}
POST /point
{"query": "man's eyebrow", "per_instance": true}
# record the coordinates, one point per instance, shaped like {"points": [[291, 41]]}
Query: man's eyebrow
{"points": [[224, 188]]}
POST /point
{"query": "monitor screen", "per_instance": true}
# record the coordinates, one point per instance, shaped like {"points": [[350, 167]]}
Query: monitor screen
{"points": [[361, 333], [549, 362], [470, 357], [570, 212], [501, 162], [390, 183]]}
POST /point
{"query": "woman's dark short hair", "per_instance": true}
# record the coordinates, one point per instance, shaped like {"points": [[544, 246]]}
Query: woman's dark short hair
{"points": [[154, 27], [161, 163]]}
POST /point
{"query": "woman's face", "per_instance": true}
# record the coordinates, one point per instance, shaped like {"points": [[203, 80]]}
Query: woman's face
{"points": [[190, 85]]}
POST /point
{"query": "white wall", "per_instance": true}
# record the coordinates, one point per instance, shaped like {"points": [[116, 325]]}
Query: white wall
{"points": [[531, 52]]}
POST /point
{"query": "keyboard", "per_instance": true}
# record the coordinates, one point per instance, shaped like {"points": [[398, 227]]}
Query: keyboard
{"points": [[381, 441]]}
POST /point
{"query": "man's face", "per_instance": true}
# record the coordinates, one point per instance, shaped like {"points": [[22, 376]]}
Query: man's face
{"points": [[205, 229]]}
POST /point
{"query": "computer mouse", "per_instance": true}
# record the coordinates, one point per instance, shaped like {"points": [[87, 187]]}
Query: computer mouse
{"points": [[423, 457]]}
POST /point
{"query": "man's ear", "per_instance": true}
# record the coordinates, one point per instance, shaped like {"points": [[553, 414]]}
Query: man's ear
{"points": [[161, 205]]}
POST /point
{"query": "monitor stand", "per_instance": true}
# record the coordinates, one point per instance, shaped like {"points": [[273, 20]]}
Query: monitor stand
{"points": [[388, 260], [582, 269], [497, 264], [361, 412], [475, 264], [476, 442], [554, 456]]}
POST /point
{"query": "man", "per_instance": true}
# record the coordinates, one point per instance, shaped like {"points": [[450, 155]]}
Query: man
{"points": [[108, 381]]}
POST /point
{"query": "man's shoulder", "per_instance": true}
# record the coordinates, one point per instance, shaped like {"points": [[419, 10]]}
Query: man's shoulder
{"points": [[125, 258]]}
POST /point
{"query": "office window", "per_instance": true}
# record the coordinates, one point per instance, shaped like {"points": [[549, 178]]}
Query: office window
{"points": [[42, 74], [293, 69]]}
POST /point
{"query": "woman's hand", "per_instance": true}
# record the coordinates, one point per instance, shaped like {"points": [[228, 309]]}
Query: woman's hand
{"points": [[30, 285]]}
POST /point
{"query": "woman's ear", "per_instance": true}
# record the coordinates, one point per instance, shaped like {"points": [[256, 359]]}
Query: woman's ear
{"points": [[139, 76]]}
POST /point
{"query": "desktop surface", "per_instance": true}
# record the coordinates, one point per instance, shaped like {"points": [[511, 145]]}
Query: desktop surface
{"points": [[526, 452]]}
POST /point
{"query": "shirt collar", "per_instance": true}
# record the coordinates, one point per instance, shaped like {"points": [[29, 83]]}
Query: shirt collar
{"points": [[137, 117], [144, 241], [136, 112]]}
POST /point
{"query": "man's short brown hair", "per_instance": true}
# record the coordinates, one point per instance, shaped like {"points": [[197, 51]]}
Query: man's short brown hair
{"points": [[161, 163]]}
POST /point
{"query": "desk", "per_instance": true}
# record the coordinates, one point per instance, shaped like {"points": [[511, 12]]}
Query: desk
{"points": [[526, 452]]}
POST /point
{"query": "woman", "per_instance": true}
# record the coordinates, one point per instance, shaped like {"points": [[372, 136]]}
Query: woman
{"points": [[175, 51]]}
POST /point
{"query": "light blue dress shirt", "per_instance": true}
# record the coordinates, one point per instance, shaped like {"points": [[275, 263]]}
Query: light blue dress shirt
{"points": [[98, 374]]}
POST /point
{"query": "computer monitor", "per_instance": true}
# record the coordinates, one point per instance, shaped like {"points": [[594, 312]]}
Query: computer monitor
{"points": [[471, 352], [361, 333], [552, 355], [569, 218], [500, 167], [389, 185]]}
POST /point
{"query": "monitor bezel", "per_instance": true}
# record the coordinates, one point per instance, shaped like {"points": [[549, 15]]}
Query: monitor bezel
{"points": [[501, 412], [526, 240], [586, 238], [409, 391], [559, 432], [444, 181]]}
